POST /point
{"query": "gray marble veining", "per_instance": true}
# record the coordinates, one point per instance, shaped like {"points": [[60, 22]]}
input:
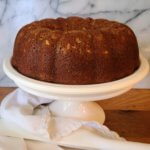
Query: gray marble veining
{"points": [[16, 13]]}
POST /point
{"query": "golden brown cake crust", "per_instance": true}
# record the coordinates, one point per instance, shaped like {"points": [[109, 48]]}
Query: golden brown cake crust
{"points": [[74, 50]]}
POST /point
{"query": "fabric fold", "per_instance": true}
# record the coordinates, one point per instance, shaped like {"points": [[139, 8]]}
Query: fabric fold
{"points": [[33, 114]]}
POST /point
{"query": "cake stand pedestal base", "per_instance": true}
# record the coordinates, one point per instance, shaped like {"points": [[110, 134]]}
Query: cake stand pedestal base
{"points": [[87, 111]]}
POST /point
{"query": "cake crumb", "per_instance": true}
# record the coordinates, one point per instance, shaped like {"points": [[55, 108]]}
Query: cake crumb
{"points": [[54, 36], [78, 40], [88, 51], [73, 46], [68, 46], [47, 42], [105, 52], [64, 51]]}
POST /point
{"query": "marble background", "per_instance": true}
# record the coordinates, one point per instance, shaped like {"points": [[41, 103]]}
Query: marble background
{"points": [[15, 13]]}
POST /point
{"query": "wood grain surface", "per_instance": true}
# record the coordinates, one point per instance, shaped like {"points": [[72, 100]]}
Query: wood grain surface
{"points": [[128, 114]]}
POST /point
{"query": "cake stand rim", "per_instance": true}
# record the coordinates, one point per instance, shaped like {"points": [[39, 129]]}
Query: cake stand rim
{"points": [[130, 80]]}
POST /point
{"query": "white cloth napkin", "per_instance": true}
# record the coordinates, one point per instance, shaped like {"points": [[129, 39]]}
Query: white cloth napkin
{"points": [[28, 111], [13, 143], [33, 114], [19, 107]]}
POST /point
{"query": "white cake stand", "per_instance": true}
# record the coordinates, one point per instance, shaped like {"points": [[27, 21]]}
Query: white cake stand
{"points": [[76, 93], [69, 96]]}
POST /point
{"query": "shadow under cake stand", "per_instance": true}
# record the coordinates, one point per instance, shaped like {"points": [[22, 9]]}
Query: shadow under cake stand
{"points": [[76, 93]]}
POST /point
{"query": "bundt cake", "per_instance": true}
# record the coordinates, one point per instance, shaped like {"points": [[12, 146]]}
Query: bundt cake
{"points": [[75, 50]]}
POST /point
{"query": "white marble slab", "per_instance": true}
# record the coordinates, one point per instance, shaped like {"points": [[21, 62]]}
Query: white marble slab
{"points": [[15, 13]]}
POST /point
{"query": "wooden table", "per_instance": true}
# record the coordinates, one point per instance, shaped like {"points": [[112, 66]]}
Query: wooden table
{"points": [[128, 114]]}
